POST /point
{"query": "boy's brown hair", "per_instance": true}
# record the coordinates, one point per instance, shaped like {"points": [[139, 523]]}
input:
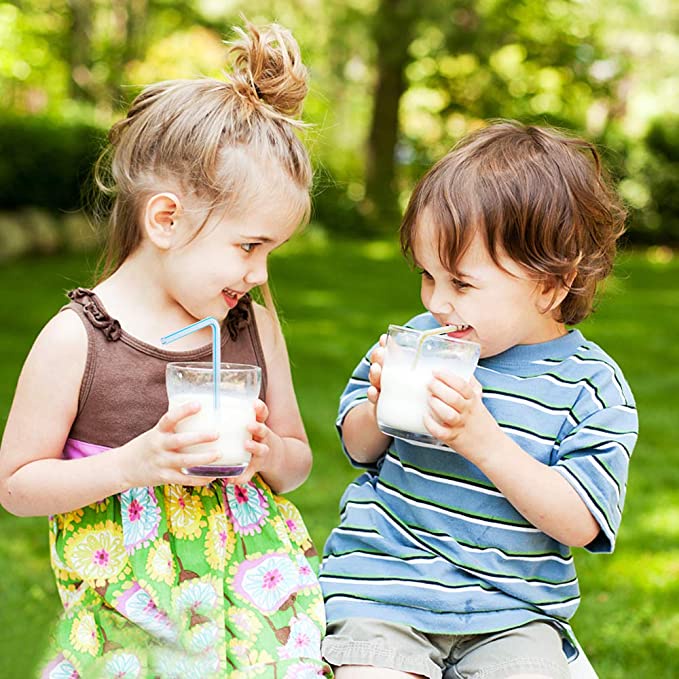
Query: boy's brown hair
{"points": [[533, 193]]}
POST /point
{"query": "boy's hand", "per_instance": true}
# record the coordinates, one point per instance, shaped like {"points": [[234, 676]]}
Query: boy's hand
{"points": [[375, 374], [263, 439], [458, 416], [156, 457]]}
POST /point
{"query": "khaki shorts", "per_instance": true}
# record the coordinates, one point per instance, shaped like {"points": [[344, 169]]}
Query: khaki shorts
{"points": [[534, 648]]}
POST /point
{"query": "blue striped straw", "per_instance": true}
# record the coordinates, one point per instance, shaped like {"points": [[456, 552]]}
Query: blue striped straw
{"points": [[216, 348]]}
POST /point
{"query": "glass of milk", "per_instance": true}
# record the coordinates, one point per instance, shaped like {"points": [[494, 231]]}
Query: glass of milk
{"points": [[409, 361], [238, 390]]}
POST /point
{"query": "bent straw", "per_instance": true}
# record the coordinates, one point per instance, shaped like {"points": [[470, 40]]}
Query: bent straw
{"points": [[216, 349], [429, 333]]}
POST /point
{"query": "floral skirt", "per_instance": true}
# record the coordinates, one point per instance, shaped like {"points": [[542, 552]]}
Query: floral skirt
{"points": [[177, 581]]}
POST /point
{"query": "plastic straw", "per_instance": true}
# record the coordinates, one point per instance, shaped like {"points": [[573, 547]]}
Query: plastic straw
{"points": [[216, 349]]}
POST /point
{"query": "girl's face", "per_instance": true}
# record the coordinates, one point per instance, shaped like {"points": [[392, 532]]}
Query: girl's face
{"points": [[496, 308], [229, 256]]}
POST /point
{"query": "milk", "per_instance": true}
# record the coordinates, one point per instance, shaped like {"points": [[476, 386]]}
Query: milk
{"points": [[234, 417], [404, 398], [410, 359]]}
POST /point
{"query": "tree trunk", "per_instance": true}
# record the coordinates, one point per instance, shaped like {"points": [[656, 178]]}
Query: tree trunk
{"points": [[393, 32], [79, 50]]}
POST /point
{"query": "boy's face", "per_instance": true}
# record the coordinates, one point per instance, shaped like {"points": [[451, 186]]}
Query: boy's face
{"points": [[497, 308]]}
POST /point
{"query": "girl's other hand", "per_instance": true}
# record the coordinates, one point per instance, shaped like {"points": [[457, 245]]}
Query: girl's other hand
{"points": [[259, 447], [155, 457], [375, 374]]}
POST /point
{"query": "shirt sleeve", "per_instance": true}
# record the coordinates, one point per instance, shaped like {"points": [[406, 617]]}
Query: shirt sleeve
{"points": [[594, 458], [355, 393]]}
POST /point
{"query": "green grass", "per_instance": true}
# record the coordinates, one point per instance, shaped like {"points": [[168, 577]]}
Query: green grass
{"points": [[335, 299]]}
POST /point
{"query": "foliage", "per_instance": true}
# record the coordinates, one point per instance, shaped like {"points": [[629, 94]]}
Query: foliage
{"points": [[45, 161], [602, 69]]}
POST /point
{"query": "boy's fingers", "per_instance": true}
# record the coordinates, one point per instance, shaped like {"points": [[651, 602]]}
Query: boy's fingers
{"points": [[377, 356], [383, 340], [375, 374], [373, 395], [459, 384]]}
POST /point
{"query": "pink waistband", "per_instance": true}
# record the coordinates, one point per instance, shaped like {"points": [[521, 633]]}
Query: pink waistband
{"points": [[75, 449]]}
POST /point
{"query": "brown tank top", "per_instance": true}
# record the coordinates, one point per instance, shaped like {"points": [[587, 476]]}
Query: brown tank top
{"points": [[123, 392]]}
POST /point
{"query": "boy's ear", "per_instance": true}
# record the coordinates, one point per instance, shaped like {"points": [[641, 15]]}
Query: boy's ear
{"points": [[160, 216], [555, 290]]}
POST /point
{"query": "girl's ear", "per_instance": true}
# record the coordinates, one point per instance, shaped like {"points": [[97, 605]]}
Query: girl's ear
{"points": [[160, 217]]}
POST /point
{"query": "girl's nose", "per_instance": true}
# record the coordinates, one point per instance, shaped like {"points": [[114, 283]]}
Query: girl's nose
{"points": [[258, 275]]}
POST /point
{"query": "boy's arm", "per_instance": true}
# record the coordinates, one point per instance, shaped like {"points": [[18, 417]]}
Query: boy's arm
{"points": [[362, 440], [578, 500]]}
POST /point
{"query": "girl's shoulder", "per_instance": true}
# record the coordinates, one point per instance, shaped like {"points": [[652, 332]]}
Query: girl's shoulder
{"points": [[62, 339]]}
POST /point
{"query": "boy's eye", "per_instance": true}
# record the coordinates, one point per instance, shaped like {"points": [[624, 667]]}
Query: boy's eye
{"points": [[460, 285], [248, 247], [424, 274]]}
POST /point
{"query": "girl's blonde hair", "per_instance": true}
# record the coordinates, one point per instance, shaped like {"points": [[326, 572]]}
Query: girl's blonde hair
{"points": [[208, 139]]}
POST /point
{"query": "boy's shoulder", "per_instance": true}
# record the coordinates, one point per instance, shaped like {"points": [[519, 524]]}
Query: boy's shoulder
{"points": [[590, 363]]}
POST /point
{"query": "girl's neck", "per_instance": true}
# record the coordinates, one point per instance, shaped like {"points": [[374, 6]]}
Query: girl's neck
{"points": [[135, 296]]}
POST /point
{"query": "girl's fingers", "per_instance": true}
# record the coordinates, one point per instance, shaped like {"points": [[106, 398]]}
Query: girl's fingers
{"points": [[190, 438], [168, 422], [258, 430], [256, 449], [383, 340], [373, 395], [261, 411], [186, 460]]}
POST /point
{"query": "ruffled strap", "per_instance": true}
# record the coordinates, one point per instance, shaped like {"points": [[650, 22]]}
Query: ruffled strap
{"points": [[96, 314]]}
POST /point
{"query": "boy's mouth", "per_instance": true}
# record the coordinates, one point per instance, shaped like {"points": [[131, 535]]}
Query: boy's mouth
{"points": [[460, 330]]}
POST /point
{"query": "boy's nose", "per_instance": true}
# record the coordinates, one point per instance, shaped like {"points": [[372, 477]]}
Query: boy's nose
{"points": [[440, 303]]}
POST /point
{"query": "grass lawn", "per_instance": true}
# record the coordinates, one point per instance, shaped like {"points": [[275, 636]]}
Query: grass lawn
{"points": [[335, 299]]}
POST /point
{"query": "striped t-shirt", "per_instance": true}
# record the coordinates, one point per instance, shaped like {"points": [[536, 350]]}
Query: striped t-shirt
{"points": [[426, 540]]}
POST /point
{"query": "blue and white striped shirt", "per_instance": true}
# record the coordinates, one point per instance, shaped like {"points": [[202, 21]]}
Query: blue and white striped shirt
{"points": [[426, 540]]}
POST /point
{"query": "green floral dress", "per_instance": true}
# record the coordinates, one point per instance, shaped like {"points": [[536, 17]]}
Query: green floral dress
{"points": [[186, 582]]}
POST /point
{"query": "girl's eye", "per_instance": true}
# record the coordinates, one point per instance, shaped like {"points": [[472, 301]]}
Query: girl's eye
{"points": [[248, 247], [424, 274]]}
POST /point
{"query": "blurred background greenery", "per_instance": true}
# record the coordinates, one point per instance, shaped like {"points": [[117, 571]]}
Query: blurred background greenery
{"points": [[394, 83]]}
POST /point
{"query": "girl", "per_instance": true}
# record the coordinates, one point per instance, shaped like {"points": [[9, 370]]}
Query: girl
{"points": [[456, 561], [160, 573]]}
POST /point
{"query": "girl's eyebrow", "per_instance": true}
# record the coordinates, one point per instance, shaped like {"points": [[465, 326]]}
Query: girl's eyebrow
{"points": [[263, 239]]}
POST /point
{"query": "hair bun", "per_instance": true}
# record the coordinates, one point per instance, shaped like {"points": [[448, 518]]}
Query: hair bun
{"points": [[268, 68]]}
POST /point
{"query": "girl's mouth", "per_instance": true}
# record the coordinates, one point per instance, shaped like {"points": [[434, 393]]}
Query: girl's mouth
{"points": [[231, 297]]}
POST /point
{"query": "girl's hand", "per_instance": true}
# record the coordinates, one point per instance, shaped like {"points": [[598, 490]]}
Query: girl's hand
{"points": [[155, 457], [375, 374], [263, 440], [458, 416]]}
